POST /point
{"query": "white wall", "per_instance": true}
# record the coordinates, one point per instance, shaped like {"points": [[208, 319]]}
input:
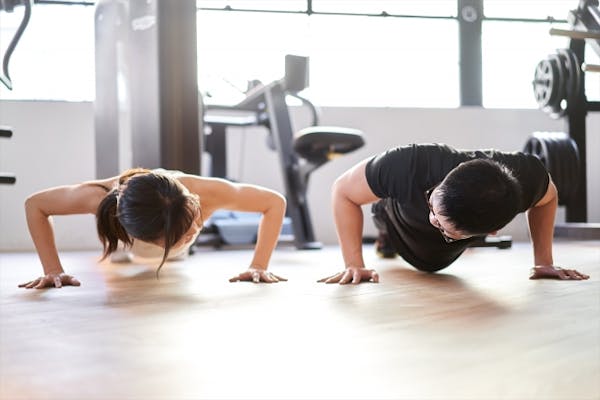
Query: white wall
{"points": [[53, 144]]}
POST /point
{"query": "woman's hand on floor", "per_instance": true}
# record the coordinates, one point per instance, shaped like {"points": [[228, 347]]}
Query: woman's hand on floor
{"points": [[353, 275], [553, 272], [257, 275], [51, 280]]}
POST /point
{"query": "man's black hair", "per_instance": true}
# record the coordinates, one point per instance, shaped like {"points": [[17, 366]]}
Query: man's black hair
{"points": [[480, 196]]}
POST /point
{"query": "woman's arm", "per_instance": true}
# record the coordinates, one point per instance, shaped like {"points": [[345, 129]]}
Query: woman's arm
{"points": [[63, 200], [218, 193]]}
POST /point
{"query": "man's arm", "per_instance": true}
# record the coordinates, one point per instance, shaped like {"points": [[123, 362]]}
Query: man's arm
{"points": [[350, 192], [541, 227]]}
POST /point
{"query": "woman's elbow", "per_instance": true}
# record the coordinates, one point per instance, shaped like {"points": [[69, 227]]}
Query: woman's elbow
{"points": [[30, 203], [33, 204], [279, 202]]}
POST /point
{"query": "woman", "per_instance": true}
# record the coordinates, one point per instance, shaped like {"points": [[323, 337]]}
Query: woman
{"points": [[160, 208]]}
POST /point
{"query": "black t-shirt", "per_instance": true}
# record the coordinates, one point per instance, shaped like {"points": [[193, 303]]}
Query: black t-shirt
{"points": [[405, 173]]}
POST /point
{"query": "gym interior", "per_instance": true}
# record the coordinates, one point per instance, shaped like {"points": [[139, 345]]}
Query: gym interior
{"points": [[288, 96]]}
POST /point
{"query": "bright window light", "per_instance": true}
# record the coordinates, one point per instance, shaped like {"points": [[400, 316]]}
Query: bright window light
{"points": [[354, 61], [54, 60]]}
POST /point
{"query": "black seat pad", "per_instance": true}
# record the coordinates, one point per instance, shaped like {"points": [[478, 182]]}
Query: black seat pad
{"points": [[319, 143]]}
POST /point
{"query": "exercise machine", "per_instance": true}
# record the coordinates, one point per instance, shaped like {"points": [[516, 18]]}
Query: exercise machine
{"points": [[8, 6], [146, 110], [299, 153]]}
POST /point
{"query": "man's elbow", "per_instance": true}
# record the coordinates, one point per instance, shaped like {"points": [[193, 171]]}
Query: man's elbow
{"points": [[338, 190]]}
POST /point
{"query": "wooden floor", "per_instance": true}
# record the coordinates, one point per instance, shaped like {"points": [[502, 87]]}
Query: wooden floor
{"points": [[480, 330]]}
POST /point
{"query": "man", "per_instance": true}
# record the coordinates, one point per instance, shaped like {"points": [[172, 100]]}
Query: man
{"points": [[432, 201]]}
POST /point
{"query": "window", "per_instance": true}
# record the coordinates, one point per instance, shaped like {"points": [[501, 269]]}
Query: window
{"points": [[354, 60], [511, 51], [55, 57], [534, 9]]}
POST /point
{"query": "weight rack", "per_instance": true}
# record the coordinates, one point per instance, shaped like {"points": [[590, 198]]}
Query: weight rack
{"points": [[574, 107]]}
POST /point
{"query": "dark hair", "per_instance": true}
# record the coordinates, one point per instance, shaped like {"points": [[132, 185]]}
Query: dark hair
{"points": [[480, 196], [147, 206]]}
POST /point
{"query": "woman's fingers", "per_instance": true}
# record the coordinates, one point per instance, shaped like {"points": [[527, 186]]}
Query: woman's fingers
{"points": [[51, 280], [279, 278], [269, 277], [257, 276], [74, 281]]}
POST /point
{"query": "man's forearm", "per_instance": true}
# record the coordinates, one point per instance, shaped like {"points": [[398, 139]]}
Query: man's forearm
{"points": [[541, 227], [349, 227]]}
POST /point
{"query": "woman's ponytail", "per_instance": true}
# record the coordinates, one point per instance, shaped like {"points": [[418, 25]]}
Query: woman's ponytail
{"points": [[110, 230]]}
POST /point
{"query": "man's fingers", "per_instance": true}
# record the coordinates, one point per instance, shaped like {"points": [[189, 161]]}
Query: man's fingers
{"points": [[244, 276], [562, 274], [580, 275], [573, 274], [330, 277], [25, 284], [33, 283], [347, 277], [333, 278], [356, 277], [42, 284], [352, 275], [57, 282], [374, 276]]}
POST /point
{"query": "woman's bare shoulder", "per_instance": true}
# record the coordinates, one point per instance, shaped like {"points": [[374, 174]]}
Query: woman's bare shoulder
{"points": [[106, 184], [196, 183]]}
